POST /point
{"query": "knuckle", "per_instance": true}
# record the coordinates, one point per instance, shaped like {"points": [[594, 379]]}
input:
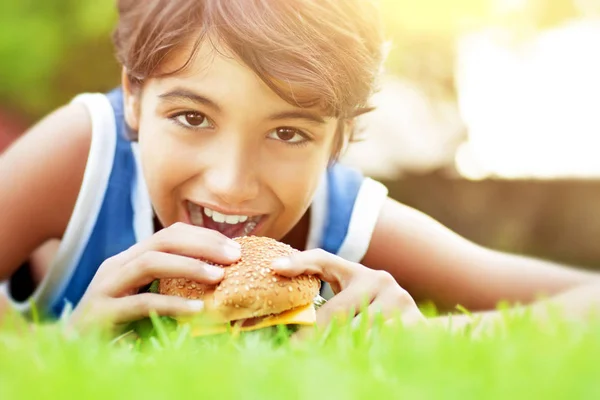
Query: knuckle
{"points": [[400, 296], [384, 278], [110, 263], [144, 263], [162, 239], [319, 255], [141, 302], [91, 306]]}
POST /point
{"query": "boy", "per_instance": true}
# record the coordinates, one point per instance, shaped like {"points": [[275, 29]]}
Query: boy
{"points": [[228, 122]]}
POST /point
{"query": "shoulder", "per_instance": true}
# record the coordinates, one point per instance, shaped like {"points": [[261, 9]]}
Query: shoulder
{"points": [[346, 205], [52, 155], [40, 175]]}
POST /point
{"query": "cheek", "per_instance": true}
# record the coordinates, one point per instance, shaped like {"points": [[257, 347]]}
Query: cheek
{"points": [[162, 170], [295, 183]]}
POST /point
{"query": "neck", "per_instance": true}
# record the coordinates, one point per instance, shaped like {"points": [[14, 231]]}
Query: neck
{"points": [[299, 234]]}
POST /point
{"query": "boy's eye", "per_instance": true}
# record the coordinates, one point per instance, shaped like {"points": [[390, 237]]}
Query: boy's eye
{"points": [[288, 135], [193, 119]]}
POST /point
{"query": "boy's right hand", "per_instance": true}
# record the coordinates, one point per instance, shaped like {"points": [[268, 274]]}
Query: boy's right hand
{"points": [[112, 297]]}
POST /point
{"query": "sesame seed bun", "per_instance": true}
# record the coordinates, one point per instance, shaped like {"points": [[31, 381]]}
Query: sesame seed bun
{"points": [[250, 288]]}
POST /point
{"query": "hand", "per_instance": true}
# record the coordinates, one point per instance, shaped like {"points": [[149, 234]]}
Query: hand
{"points": [[174, 252], [353, 284]]}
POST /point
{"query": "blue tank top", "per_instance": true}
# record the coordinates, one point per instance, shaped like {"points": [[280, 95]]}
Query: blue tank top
{"points": [[113, 210]]}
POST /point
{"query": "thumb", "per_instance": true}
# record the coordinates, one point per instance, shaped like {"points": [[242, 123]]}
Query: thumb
{"points": [[328, 267]]}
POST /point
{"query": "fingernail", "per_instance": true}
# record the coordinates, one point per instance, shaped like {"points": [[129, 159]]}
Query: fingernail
{"points": [[281, 263], [215, 272], [234, 244], [232, 252], [195, 305]]}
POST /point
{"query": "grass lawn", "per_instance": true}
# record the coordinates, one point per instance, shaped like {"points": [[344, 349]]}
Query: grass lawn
{"points": [[521, 360]]}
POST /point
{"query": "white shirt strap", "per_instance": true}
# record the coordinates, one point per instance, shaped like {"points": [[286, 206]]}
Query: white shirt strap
{"points": [[369, 201]]}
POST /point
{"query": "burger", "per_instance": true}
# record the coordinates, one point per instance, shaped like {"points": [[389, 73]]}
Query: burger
{"points": [[251, 295]]}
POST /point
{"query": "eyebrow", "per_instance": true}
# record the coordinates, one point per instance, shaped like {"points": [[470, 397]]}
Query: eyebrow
{"points": [[298, 114], [185, 94]]}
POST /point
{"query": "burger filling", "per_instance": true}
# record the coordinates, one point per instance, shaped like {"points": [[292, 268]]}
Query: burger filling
{"points": [[305, 315]]}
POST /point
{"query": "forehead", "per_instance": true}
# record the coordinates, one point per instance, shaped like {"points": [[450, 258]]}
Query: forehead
{"points": [[214, 69]]}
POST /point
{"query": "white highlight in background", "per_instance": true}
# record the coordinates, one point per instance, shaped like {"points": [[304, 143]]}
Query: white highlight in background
{"points": [[532, 109]]}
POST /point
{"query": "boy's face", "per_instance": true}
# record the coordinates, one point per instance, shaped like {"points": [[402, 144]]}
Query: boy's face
{"points": [[220, 149]]}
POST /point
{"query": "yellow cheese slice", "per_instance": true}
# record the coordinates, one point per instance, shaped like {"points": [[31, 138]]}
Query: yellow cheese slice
{"points": [[305, 315]]}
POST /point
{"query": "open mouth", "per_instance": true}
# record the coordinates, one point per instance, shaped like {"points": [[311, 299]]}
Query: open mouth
{"points": [[228, 224]]}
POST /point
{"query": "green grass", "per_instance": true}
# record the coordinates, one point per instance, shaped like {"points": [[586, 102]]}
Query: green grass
{"points": [[521, 360]]}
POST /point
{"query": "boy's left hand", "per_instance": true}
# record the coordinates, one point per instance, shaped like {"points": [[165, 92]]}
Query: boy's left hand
{"points": [[353, 284]]}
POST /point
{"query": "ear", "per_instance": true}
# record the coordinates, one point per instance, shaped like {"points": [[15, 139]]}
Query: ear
{"points": [[342, 138], [347, 125], [131, 101]]}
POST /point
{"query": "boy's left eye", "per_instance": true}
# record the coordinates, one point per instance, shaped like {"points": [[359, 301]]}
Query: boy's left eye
{"points": [[288, 135]]}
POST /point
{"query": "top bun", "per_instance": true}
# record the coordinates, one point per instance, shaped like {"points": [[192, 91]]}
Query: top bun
{"points": [[250, 288]]}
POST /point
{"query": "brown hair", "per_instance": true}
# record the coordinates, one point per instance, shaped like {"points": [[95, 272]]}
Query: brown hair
{"points": [[324, 53]]}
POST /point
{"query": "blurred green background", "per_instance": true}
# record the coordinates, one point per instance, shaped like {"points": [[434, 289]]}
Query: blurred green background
{"points": [[52, 50]]}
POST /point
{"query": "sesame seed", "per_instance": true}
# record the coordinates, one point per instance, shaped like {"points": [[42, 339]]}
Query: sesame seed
{"points": [[291, 289]]}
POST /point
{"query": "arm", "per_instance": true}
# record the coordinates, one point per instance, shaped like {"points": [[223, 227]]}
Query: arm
{"points": [[433, 263], [40, 176], [574, 305]]}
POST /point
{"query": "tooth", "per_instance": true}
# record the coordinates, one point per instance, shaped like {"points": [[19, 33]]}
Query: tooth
{"points": [[249, 227], [208, 212], [232, 219], [218, 217], [195, 215], [243, 218]]}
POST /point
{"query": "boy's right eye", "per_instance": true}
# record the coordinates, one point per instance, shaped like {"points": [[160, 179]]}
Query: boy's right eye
{"points": [[192, 119]]}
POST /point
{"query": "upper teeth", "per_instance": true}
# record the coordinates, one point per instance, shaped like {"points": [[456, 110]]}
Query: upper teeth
{"points": [[229, 219]]}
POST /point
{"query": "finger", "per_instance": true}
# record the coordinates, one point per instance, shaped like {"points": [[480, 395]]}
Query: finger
{"points": [[396, 304], [346, 304], [187, 240], [156, 265], [131, 308], [368, 316], [328, 267]]}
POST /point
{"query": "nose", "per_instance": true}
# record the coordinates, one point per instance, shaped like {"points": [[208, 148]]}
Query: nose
{"points": [[232, 176]]}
